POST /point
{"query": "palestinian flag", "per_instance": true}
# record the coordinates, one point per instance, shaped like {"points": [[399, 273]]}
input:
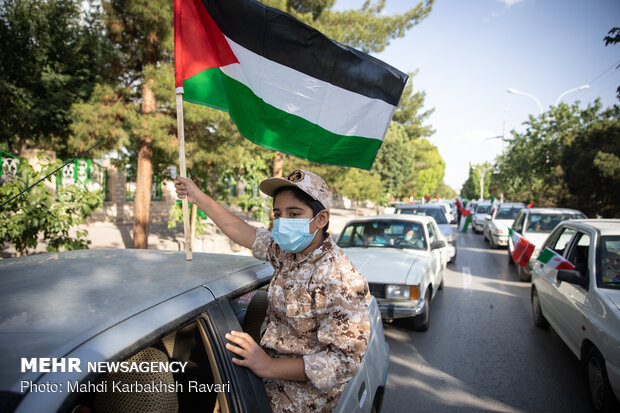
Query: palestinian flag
{"points": [[286, 86], [555, 260], [465, 219], [522, 250]]}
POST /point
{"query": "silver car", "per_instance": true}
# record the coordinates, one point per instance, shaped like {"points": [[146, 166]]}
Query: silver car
{"points": [[497, 224], [583, 304], [109, 307]]}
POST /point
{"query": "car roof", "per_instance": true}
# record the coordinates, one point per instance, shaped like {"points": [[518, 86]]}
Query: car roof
{"points": [[512, 204], [394, 217], [554, 211], [603, 226], [50, 300], [419, 206]]}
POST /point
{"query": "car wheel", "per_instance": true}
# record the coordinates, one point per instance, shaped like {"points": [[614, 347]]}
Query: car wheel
{"points": [[492, 243], [601, 394], [453, 258], [510, 261], [523, 275], [422, 321], [443, 277], [539, 318]]}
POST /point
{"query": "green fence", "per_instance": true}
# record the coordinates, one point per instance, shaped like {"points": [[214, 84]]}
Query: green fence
{"points": [[84, 172]]}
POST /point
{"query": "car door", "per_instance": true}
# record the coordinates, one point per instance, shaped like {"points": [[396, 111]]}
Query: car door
{"points": [[249, 394], [517, 227], [438, 257], [572, 298]]}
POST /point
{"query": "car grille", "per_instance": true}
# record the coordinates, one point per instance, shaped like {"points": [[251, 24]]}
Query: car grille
{"points": [[378, 290]]}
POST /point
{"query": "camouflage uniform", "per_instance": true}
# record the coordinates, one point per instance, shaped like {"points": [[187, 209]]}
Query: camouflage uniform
{"points": [[318, 310]]}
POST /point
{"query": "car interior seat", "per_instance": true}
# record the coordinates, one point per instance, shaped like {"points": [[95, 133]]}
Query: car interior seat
{"points": [[255, 315], [137, 402]]}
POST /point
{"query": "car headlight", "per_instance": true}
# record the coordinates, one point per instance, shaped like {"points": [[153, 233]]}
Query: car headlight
{"points": [[403, 292], [499, 231]]}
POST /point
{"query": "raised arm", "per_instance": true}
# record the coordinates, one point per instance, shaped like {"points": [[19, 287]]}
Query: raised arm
{"points": [[234, 227]]}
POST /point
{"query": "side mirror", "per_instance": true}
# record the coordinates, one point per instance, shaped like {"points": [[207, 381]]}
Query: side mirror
{"points": [[573, 277], [488, 217], [438, 244]]}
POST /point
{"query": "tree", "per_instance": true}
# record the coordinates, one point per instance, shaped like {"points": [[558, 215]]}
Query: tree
{"points": [[360, 185], [613, 37], [428, 170], [39, 212], [564, 158], [53, 53]]}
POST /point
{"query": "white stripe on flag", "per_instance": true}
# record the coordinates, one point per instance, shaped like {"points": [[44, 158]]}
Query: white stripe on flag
{"points": [[335, 109]]}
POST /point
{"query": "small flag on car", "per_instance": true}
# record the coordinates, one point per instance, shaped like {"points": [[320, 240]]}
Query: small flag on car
{"points": [[555, 260], [523, 249]]}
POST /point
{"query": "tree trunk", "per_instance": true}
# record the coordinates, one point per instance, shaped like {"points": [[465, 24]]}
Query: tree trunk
{"points": [[277, 165], [144, 180]]}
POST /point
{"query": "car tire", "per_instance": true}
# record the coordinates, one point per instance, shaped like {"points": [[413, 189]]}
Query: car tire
{"points": [[601, 394], [523, 276], [443, 277], [537, 314], [453, 258], [421, 322], [492, 243]]}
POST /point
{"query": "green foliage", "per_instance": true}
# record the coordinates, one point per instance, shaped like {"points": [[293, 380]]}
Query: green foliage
{"points": [[52, 56], [566, 157], [360, 185], [471, 187], [38, 213], [428, 170]]}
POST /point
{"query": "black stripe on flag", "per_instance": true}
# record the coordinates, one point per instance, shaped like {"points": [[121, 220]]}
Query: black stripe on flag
{"points": [[281, 38]]}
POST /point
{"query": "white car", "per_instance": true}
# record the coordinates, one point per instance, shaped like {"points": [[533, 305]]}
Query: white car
{"points": [[479, 216], [535, 224], [583, 305], [438, 213], [497, 224], [403, 259]]}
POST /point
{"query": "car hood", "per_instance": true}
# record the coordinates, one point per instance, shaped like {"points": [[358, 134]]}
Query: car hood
{"points": [[446, 230], [502, 223], [613, 295], [389, 265]]}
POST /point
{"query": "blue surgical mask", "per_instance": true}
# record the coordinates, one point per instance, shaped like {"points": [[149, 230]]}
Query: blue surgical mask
{"points": [[293, 234]]}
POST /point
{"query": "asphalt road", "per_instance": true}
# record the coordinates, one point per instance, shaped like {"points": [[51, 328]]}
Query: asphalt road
{"points": [[482, 351]]}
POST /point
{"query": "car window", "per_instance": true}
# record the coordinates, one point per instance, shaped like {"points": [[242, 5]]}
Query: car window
{"points": [[177, 389], [580, 252], [541, 222], [431, 233], [561, 240], [483, 209], [507, 213], [436, 213], [518, 224], [383, 234], [608, 262]]}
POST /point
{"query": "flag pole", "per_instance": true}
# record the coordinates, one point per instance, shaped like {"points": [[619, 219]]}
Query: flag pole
{"points": [[183, 172]]}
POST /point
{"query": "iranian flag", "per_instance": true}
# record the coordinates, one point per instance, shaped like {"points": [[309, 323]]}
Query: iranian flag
{"points": [[522, 250], [286, 86], [555, 260]]}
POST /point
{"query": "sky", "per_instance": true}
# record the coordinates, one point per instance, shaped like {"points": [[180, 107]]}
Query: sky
{"points": [[469, 52]]}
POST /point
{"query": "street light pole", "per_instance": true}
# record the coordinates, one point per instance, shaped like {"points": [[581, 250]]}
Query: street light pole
{"points": [[518, 92], [582, 87]]}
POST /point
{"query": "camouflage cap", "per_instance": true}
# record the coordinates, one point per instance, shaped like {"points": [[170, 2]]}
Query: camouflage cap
{"points": [[307, 181]]}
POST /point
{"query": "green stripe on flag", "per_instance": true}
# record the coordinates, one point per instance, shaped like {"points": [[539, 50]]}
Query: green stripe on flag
{"points": [[546, 255], [265, 125]]}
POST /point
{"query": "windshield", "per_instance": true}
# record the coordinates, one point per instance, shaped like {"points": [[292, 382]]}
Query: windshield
{"points": [[507, 213], [608, 263], [437, 213], [483, 209], [547, 222], [383, 234]]}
